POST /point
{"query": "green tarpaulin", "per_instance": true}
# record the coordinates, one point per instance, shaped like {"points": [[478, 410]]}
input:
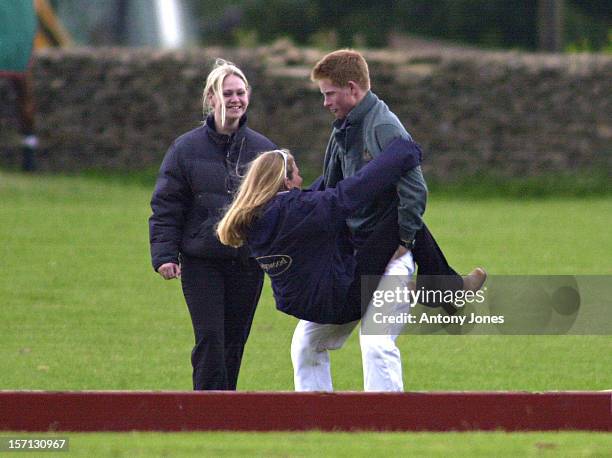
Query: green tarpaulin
{"points": [[17, 30]]}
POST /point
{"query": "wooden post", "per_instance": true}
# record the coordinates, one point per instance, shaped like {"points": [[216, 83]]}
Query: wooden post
{"points": [[550, 25]]}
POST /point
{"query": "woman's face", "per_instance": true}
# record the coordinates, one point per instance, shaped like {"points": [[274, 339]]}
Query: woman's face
{"points": [[235, 97], [296, 179]]}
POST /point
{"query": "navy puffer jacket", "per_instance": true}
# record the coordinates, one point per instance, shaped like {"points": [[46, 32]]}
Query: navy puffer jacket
{"points": [[301, 241], [197, 180]]}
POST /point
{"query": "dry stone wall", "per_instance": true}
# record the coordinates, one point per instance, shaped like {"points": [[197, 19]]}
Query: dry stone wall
{"points": [[516, 114]]}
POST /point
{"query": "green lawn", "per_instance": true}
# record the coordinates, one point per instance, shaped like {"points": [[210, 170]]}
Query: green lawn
{"points": [[82, 309], [315, 444]]}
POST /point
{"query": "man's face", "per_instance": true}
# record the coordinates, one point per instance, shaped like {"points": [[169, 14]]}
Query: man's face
{"points": [[339, 100]]}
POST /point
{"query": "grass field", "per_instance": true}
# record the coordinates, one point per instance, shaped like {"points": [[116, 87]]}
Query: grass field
{"points": [[82, 309], [316, 444]]}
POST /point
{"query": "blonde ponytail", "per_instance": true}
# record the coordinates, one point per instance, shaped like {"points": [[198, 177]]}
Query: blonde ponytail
{"points": [[265, 178]]}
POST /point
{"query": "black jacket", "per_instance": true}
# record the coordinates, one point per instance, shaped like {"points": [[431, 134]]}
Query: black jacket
{"points": [[196, 181]]}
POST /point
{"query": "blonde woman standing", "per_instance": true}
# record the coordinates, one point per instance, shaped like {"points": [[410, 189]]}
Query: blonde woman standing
{"points": [[197, 179]]}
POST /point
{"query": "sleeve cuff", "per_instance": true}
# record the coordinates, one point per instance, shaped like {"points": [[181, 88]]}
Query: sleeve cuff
{"points": [[407, 236]]}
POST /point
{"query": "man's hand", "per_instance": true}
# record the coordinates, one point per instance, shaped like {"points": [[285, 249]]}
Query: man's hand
{"points": [[169, 270], [401, 251]]}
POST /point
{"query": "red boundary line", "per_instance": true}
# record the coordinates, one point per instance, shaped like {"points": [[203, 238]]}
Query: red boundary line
{"points": [[255, 411]]}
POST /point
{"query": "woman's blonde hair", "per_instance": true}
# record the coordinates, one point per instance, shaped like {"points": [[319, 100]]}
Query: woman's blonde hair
{"points": [[214, 85], [265, 178]]}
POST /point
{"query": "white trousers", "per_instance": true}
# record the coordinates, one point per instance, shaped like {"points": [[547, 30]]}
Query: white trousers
{"points": [[381, 359]]}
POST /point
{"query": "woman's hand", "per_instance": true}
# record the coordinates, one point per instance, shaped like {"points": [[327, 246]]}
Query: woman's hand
{"points": [[169, 270]]}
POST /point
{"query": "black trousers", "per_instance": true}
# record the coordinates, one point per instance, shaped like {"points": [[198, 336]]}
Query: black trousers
{"points": [[372, 259], [221, 296], [434, 272]]}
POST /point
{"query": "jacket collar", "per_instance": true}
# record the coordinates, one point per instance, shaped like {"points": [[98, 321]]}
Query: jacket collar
{"points": [[223, 139], [356, 115], [347, 130]]}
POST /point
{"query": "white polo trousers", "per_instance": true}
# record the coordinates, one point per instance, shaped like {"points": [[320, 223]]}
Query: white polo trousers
{"points": [[381, 359]]}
